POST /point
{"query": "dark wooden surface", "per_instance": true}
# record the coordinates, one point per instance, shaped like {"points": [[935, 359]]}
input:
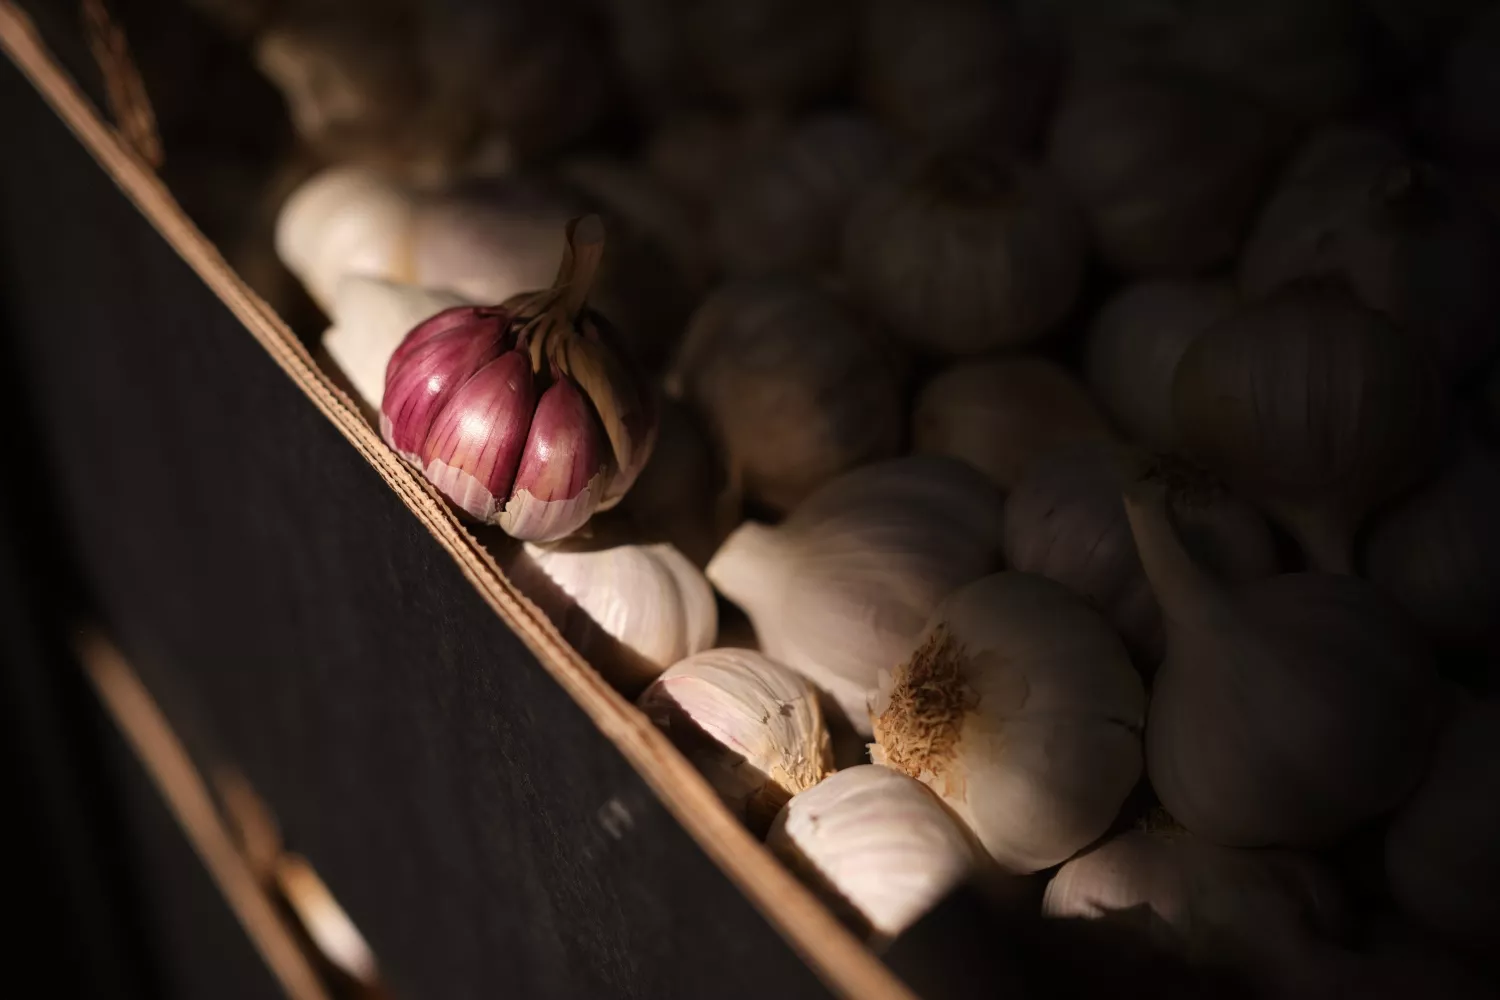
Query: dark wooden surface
{"points": [[290, 615]]}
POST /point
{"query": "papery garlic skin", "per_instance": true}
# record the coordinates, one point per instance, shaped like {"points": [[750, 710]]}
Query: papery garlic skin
{"points": [[844, 586], [1021, 710], [1257, 909], [371, 316], [999, 414], [1440, 849], [1135, 342], [964, 253], [751, 726], [879, 841], [1287, 711], [794, 387]]}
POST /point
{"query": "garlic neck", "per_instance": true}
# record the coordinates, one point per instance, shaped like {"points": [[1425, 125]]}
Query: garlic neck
{"points": [[750, 567], [1185, 591]]}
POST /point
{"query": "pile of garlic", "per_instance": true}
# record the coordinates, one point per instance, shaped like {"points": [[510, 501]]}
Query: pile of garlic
{"points": [[1108, 495]]}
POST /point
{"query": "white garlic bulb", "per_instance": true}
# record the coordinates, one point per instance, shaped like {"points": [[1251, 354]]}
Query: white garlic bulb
{"points": [[1064, 520], [752, 727], [371, 316], [966, 253], [952, 71], [999, 414], [1206, 902], [876, 841], [791, 383], [1287, 711], [1410, 242], [1440, 851], [350, 221], [1168, 169], [1021, 710], [769, 53], [1135, 342], [631, 610], [842, 589], [785, 209], [1437, 552]]}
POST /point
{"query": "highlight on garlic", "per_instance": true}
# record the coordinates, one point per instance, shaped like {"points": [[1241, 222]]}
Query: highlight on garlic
{"points": [[371, 316], [1021, 710], [876, 842], [1287, 711], [842, 588], [1135, 342], [963, 253], [1258, 909], [752, 727], [1167, 168], [791, 383], [1315, 407], [785, 209], [1065, 521], [952, 71], [769, 53], [1440, 849], [1437, 552], [998, 414], [1408, 239], [632, 610], [523, 414]]}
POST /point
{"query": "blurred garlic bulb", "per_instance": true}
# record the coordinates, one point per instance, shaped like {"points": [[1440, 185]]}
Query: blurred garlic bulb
{"points": [[752, 727], [1437, 552], [371, 316], [785, 209], [1208, 903], [1287, 711], [843, 587], [1315, 407], [874, 841], [966, 253], [791, 383], [1134, 345], [1064, 520], [673, 500], [952, 71], [696, 155], [1441, 848], [1409, 241], [1168, 168], [350, 221], [1021, 710], [769, 53], [631, 610], [998, 414]]}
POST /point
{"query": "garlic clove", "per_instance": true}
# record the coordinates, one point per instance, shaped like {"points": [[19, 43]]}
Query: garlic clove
{"points": [[430, 366], [1021, 710], [560, 481], [874, 841], [752, 727], [372, 317]]}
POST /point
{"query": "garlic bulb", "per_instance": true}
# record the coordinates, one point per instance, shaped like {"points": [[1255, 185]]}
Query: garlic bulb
{"points": [[843, 587], [631, 610], [769, 53], [1021, 710], [1286, 712], [371, 317], [1065, 521], [1437, 552], [951, 71], [1440, 850], [1315, 407], [1208, 903], [752, 727], [876, 841], [1167, 168], [350, 221], [966, 253], [794, 387], [998, 414], [785, 209], [1408, 240], [696, 155], [1134, 345]]}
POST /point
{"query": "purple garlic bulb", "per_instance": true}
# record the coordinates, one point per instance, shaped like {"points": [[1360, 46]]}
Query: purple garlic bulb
{"points": [[523, 414]]}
